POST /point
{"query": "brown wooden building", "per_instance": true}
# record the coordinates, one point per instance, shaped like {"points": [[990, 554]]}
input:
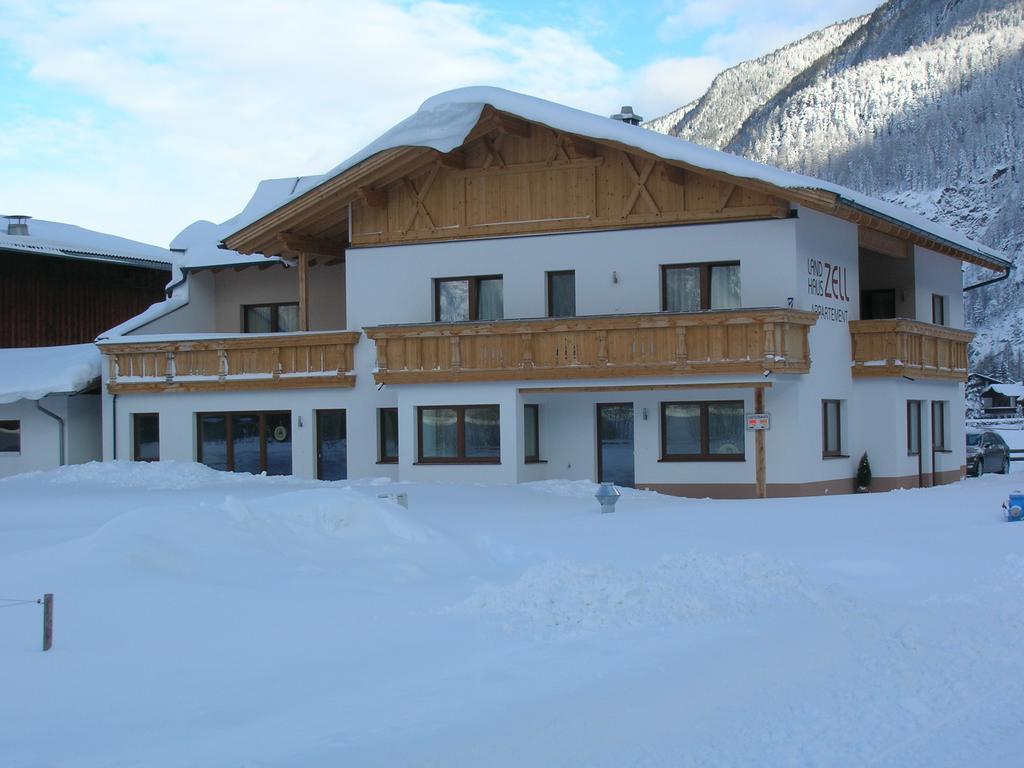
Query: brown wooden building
{"points": [[61, 284]]}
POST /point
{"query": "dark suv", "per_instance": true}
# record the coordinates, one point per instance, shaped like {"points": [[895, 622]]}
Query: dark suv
{"points": [[987, 452]]}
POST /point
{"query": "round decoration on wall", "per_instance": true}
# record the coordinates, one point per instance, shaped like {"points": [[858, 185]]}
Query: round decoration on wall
{"points": [[280, 433]]}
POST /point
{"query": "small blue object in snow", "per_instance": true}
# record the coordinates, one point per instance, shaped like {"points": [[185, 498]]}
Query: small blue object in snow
{"points": [[1015, 507]]}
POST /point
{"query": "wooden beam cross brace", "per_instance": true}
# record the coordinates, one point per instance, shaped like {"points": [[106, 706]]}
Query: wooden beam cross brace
{"points": [[418, 196], [558, 151], [493, 151], [723, 198], [640, 178]]}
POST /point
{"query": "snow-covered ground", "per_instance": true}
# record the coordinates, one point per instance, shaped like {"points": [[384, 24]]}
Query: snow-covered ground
{"points": [[208, 619]]}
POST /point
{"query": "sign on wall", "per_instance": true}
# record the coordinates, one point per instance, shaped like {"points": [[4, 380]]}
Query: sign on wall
{"points": [[757, 422], [827, 282]]}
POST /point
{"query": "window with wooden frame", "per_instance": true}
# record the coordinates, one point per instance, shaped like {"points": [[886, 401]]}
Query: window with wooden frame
{"points": [[457, 299], [459, 434], [282, 317], [562, 293], [939, 316], [531, 433], [939, 441], [913, 427], [702, 431], [10, 436], [832, 428], [697, 287], [146, 437], [246, 442], [387, 435]]}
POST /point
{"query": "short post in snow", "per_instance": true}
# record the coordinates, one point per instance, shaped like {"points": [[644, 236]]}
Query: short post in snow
{"points": [[607, 494], [47, 621]]}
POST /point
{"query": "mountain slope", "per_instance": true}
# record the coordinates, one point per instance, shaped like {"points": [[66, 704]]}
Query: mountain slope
{"points": [[920, 102], [735, 94]]}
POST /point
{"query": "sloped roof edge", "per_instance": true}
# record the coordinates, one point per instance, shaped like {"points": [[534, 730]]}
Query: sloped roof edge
{"points": [[443, 122]]}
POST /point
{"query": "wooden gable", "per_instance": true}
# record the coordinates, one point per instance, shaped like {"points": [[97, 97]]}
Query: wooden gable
{"points": [[514, 177]]}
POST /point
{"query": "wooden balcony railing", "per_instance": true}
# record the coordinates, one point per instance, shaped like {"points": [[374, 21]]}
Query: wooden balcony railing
{"points": [[236, 362], [908, 348], [729, 342]]}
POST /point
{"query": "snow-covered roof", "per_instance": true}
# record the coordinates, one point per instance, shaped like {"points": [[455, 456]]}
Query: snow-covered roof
{"points": [[53, 238], [444, 122], [198, 245], [32, 373], [1009, 390]]}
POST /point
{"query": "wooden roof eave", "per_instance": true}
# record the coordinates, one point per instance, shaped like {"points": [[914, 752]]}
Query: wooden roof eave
{"points": [[262, 236]]}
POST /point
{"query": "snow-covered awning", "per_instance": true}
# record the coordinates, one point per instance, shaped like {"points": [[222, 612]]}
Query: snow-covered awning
{"points": [[1008, 390], [32, 373], [444, 122]]}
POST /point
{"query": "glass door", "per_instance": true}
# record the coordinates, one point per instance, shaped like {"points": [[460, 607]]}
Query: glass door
{"points": [[615, 443], [331, 445]]}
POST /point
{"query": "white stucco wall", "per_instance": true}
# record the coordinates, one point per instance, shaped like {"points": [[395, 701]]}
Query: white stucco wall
{"points": [[943, 275], [882, 406], [40, 434], [278, 284], [827, 244], [196, 316], [394, 284]]}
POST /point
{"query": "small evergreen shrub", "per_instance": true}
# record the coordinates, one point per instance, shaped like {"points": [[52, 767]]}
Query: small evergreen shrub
{"points": [[863, 473]]}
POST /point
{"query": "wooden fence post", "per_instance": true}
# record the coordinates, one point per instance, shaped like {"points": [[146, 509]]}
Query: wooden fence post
{"points": [[47, 621]]}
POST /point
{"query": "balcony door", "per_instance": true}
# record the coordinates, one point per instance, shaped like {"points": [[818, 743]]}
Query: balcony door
{"points": [[615, 444], [331, 445]]}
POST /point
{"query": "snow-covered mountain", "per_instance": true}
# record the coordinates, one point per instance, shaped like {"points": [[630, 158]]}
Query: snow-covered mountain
{"points": [[921, 102]]}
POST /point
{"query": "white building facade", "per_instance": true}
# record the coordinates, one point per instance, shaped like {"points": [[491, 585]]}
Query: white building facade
{"points": [[545, 294]]}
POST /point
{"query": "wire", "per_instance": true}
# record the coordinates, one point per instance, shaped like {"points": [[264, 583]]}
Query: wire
{"points": [[12, 601]]}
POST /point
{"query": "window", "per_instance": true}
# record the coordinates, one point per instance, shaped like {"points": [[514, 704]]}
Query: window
{"points": [[146, 436], [531, 432], [878, 304], [913, 427], [10, 437], [562, 294], [831, 428], [468, 298], [246, 442], [270, 318], [939, 316], [939, 442], [702, 431], [387, 435], [459, 434], [695, 287]]}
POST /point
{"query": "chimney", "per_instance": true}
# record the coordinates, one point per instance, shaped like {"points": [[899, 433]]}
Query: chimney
{"points": [[17, 225], [626, 115]]}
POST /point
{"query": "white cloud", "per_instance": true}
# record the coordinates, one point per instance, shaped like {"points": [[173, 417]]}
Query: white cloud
{"points": [[221, 97], [188, 104], [666, 84]]}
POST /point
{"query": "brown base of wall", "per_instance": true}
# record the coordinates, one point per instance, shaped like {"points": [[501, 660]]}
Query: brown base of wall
{"points": [[787, 490]]}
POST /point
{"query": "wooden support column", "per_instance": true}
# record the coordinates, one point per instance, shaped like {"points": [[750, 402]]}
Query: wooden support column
{"points": [[759, 458], [303, 291]]}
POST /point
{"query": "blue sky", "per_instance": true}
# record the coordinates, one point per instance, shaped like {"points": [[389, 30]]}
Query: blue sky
{"points": [[138, 118]]}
